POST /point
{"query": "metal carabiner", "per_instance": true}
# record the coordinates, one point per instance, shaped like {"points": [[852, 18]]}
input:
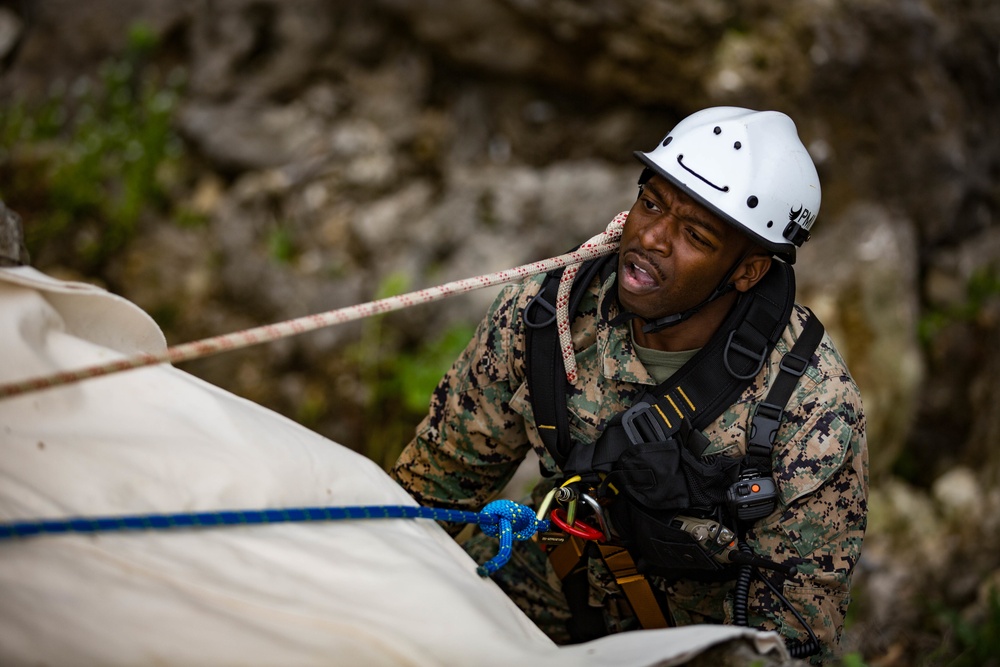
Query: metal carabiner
{"points": [[582, 529], [598, 512]]}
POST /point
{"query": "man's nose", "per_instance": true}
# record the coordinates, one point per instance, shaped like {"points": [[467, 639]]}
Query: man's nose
{"points": [[660, 234]]}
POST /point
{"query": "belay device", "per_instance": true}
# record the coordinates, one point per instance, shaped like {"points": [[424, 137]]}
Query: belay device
{"points": [[662, 508]]}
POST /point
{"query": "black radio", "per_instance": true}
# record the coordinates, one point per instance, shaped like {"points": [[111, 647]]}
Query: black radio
{"points": [[752, 497]]}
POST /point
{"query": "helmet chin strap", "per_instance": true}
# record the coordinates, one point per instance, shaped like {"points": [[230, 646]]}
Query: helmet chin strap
{"points": [[661, 323]]}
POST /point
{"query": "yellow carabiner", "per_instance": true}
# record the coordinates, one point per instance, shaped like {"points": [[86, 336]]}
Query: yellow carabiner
{"points": [[543, 509]]}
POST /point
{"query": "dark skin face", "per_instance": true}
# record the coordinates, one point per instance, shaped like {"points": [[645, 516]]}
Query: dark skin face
{"points": [[674, 253]]}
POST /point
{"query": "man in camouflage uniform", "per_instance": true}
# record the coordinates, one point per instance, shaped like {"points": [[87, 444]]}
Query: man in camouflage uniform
{"points": [[677, 244]]}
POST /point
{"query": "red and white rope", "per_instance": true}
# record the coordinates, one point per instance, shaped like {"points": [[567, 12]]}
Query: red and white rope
{"points": [[271, 332], [609, 237]]}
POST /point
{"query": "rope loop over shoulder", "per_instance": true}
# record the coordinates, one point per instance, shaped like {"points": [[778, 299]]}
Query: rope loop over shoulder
{"points": [[609, 238]]}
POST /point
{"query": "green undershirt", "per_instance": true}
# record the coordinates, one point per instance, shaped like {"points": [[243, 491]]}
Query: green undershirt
{"points": [[660, 363]]}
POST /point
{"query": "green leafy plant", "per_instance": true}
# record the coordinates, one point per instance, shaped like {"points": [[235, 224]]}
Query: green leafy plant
{"points": [[852, 660], [416, 374], [973, 642], [82, 166], [280, 245], [398, 381], [983, 285]]}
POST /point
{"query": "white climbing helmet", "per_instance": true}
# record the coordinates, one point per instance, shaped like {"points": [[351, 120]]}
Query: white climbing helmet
{"points": [[749, 168]]}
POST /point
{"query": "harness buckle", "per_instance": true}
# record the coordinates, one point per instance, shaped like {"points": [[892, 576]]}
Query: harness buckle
{"points": [[764, 429], [641, 425], [794, 364]]}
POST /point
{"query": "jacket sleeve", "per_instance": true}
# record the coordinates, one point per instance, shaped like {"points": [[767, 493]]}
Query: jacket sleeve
{"points": [[821, 469], [471, 442]]}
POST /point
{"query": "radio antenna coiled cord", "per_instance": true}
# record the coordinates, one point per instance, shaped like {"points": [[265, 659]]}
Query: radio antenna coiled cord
{"points": [[741, 599]]}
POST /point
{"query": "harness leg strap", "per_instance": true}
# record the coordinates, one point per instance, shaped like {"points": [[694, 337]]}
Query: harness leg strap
{"points": [[636, 587], [565, 557], [569, 560]]}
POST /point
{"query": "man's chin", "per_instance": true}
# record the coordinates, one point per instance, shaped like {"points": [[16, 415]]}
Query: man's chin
{"points": [[630, 304]]}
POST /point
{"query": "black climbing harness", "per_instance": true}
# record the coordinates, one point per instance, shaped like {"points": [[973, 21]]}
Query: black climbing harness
{"points": [[663, 508]]}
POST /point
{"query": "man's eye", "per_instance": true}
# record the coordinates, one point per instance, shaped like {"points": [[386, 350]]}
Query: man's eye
{"points": [[650, 206], [697, 238]]}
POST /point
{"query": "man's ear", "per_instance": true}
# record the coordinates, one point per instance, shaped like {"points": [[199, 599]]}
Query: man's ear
{"points": [[751, 271]]}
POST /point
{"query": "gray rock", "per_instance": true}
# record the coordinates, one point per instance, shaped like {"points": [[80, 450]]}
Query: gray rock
{"points": [[249, 136], [11, 30], [13, 251], [859, 274]]}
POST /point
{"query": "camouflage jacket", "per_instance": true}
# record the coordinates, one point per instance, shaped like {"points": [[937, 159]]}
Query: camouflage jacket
{"points": [[480, 427]]}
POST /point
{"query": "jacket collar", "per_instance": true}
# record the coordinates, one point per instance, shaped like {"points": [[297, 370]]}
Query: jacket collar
{"points": [[620, 362]]}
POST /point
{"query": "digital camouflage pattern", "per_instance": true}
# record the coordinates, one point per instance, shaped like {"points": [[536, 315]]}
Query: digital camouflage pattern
{"points": [[480, 427]]}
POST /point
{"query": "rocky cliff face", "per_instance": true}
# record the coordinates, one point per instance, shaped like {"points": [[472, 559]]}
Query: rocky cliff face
{"points": [[338, 149]]}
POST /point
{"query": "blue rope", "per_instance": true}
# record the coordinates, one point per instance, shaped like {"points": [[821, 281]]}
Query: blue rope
{"points": [[503, 519]]}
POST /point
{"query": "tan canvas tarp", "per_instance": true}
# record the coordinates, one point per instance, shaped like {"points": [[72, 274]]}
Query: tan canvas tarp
{"points": [[158, 440]]}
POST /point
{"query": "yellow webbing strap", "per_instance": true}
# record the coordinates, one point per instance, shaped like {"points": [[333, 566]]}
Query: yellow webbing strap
{"points": [[566, 557], [635, 586]]}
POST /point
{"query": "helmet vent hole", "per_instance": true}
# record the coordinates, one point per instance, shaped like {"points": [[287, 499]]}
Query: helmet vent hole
{"points": [[717, 130], [770, 223], [752, 201], [737, 145], [667, 140]]}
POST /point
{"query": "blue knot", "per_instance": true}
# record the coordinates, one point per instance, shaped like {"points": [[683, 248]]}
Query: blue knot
{"points": [[508, 521]]}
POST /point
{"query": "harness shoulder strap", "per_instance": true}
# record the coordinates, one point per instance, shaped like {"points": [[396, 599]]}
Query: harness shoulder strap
{"points": [[768, 415], [544, 369], [712, 380], [724, 368]]}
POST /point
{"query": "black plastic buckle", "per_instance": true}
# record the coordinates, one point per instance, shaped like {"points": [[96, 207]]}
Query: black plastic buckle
{"points": [[641, 425], [797, 366], [764, 429], [540, 301], [759, 357]]}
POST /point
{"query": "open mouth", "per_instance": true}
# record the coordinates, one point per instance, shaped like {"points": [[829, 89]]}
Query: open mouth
{"points": [[638, 275]]}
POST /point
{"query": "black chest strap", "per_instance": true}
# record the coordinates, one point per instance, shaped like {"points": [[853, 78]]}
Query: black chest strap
{"points": [[698, 393], [769, 413]]}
